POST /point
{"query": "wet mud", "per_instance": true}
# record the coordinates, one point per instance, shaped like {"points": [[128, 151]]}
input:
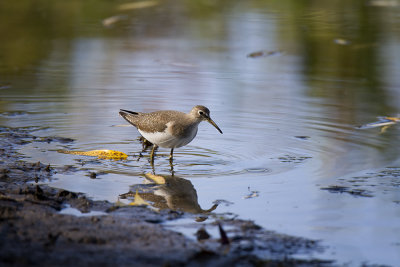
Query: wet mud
{"points": [[34, 231]]}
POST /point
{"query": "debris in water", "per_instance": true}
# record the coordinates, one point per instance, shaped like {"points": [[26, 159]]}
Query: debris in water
{"points": [[264, 54], [303, 137], [137, 5], [341, 41], [293, 159], [108, 22], [252, 194]]}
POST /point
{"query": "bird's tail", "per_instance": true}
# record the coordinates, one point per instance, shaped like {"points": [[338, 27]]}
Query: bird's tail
{"points": [[129, 116]]}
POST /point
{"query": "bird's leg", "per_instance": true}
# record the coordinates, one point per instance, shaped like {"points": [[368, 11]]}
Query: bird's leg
{"points": [[145, 143], [172, 169], [171, 157], [152, 154]]}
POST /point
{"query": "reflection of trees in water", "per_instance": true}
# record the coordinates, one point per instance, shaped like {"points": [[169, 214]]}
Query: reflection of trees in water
{"points": [[28, 28], [29, 31], [341, 60]]}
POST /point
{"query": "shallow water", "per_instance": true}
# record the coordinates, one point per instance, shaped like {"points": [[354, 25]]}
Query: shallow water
{"points": [[289, 115]]}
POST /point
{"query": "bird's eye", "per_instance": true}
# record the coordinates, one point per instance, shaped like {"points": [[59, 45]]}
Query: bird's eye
{"points": [[201, 112]]}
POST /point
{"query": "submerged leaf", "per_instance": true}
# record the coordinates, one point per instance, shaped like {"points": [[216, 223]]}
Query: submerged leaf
{"points": [[103, 154]]}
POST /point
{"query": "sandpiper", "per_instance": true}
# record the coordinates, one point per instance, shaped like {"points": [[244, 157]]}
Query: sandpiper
{"points": [[168, 128]]}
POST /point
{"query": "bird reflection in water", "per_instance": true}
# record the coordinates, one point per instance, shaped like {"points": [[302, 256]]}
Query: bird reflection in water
{"points": [[169, 192]]}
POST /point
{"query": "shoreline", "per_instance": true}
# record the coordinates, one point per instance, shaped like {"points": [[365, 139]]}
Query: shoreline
{"points": [[33, 231]]}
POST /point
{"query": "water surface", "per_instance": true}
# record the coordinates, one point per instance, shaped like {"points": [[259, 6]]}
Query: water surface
{"points": [[289, 114]]}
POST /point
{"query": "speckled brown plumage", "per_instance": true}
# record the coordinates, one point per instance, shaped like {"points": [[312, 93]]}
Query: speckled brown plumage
{"points": [[168, 128], [157, 121]]}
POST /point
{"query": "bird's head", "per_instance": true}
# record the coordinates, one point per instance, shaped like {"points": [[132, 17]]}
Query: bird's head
{"points": [[203, 113]]}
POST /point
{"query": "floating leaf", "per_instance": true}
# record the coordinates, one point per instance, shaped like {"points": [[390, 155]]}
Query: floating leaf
{"points": [[139, 201], [156, 178], [392, 118], [384, 122], [137, 5], [103, 154], [108, 22], [377, 124]]}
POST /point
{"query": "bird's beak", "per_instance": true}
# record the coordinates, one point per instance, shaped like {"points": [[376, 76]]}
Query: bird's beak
{"points": [[214, 124]]}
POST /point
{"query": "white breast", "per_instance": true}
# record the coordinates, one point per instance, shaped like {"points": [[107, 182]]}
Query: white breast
{"points": [[167, 139]]}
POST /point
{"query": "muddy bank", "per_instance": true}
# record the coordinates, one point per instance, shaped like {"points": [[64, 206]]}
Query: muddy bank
{"points": [[34, 231]]}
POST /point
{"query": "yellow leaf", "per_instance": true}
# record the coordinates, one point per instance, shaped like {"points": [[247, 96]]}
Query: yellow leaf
{"points": [[392, 118], [156, 178], [103, 154], [139, 201]]}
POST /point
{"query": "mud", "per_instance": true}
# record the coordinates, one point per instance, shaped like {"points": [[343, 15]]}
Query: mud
{"points": [[34, 232]]}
